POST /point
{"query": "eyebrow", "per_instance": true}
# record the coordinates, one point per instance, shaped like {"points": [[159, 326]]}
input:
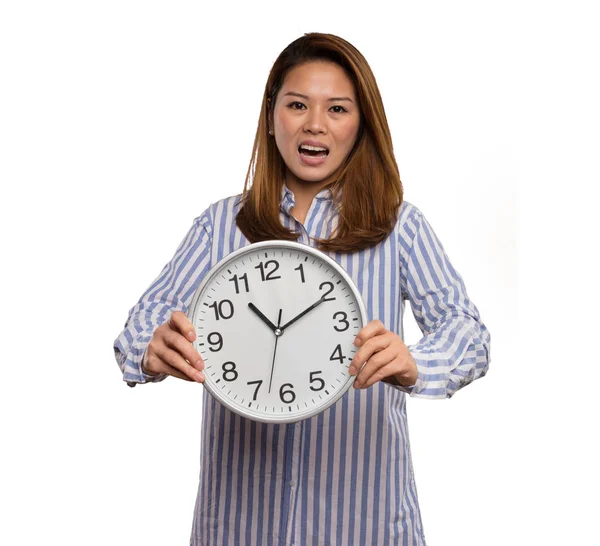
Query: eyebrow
{"points": [[332, 99]]}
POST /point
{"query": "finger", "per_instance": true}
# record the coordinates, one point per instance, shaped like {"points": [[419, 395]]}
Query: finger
{"points": [[370, 347], [180, 323], [176, 373], [378, 375], [174, 361], [178, 343], [378, 361], [373, 328], [160, 367]]}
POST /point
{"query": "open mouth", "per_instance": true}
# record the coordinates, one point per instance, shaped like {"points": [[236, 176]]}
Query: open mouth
{"points": [[313, 151]]}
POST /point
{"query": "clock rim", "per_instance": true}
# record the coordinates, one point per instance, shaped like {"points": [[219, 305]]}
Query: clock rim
{"points": [[232, 256]]}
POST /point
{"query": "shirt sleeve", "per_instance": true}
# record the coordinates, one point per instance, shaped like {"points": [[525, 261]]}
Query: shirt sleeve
{"points": [[172, 291], [455, 348]]}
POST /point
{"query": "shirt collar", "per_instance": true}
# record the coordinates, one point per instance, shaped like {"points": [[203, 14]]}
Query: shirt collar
{"points": [[288, 201]]}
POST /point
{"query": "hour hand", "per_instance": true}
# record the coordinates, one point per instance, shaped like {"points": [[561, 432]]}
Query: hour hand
{"points": [[262, 316]]}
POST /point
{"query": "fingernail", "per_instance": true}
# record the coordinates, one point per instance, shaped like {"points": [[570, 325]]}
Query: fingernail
{"points": [[357, 342], [199, 364], [351, 370], [191, 336], [357, 385], [199, 377]]}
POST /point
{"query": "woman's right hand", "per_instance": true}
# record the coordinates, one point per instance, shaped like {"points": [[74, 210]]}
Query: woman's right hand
{"points": [[170, 350]]}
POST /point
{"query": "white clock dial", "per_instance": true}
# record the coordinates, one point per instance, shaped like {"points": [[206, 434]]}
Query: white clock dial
{"points": [[275, 324]]}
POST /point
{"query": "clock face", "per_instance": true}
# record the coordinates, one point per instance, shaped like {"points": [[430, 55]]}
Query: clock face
{"points": [[275, 324]]}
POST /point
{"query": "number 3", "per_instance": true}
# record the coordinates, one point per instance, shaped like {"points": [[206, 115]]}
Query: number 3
{"points": [[343, 320]]}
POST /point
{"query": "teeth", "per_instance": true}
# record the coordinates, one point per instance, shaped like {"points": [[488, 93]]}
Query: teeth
{"points": [[313, 148]]}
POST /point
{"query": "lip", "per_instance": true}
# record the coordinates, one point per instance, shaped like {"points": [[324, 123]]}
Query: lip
{"points": [[312, 161], [315, 143]]}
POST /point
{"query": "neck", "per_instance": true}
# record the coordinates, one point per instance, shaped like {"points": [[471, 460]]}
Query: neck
{"points": [[304, 193]]}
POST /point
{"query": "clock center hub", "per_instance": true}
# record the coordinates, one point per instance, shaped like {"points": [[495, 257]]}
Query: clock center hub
{"points": [[278, 332]]}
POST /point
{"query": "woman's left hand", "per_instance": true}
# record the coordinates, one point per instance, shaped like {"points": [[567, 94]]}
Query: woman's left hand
{"points": [[386, 356]]}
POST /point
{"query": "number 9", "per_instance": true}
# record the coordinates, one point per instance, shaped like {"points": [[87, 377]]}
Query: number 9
{"points": [[219, 341]]}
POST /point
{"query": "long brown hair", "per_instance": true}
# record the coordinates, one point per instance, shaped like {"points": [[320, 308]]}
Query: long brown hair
{"points": [[367, 185]]}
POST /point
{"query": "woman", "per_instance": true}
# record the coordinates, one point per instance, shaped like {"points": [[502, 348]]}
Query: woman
{"points": [[322, 173]]}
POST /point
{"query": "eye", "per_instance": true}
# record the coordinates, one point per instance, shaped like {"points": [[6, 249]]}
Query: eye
{"points": [[296, 105], [337, 109]]}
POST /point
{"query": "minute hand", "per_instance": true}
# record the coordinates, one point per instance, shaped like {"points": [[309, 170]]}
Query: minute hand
{"points": [[318, 302]]}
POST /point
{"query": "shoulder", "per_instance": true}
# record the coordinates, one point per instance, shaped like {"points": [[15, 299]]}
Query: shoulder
{"points": [[219, 212], [413, 227], [410, 219]]}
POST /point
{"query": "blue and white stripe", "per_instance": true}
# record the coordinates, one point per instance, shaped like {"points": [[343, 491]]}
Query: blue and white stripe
{"points": [[344, 476]]}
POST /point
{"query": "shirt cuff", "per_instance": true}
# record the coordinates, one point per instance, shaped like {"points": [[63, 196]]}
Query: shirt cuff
{"points": [[410, 389], [144, 377]]}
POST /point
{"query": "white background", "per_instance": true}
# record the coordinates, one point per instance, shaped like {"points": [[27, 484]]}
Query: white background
{"points": [[121, 121]]}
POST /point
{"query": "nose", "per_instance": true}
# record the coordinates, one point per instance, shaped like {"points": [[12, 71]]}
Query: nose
{"points": [[315, 121]]}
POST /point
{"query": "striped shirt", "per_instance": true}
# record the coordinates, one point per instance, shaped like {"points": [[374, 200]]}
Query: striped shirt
{"points": [[344, 476]]}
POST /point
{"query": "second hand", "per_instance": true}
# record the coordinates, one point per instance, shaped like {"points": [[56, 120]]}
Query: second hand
{"points": [[277, 335]]}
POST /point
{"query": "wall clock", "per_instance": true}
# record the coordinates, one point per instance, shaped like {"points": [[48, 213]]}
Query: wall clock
{"points": [[275, 324]]}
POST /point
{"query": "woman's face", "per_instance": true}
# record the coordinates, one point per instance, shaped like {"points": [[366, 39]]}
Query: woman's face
{"points": [[315, 107]]}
